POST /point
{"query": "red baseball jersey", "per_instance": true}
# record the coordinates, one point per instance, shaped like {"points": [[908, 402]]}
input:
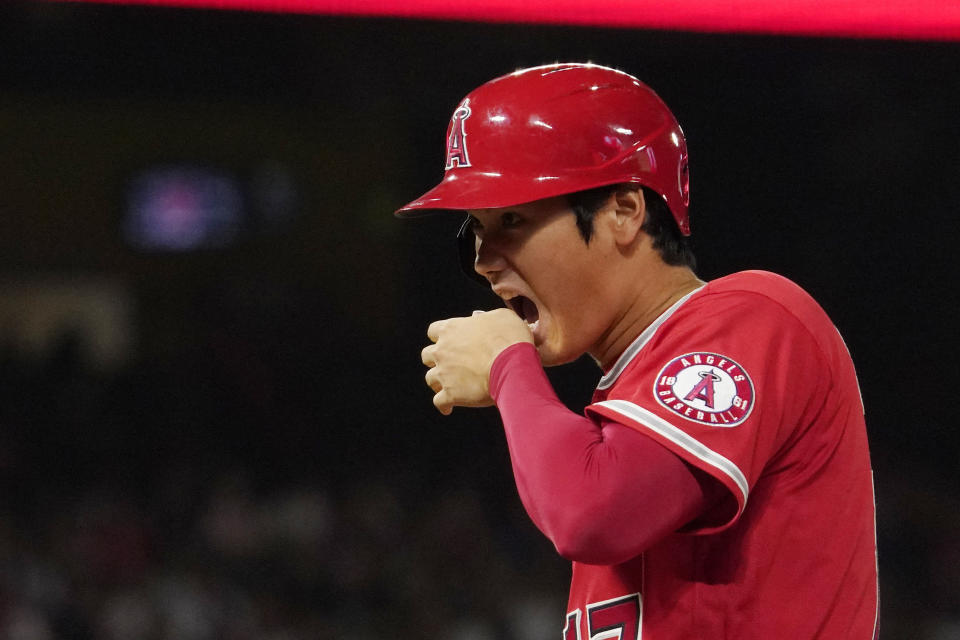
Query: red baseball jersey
{"points": [[747, 380]]}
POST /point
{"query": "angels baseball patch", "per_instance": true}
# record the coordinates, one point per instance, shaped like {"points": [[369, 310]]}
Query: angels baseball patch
{"points": [[708, 388]]}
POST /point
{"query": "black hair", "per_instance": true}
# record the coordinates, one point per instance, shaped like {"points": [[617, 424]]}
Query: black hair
{"points": [[675, 248]]}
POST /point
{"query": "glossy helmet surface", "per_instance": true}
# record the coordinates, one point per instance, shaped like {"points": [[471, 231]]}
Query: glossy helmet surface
{"points": [[557, 129]]}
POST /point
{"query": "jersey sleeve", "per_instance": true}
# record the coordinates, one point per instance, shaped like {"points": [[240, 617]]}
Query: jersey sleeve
{"points": [[725, 383], [602, 493]]}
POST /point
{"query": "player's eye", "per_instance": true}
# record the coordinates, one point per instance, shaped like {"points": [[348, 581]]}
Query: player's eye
{"points": [[510, 219], [474, 225]]}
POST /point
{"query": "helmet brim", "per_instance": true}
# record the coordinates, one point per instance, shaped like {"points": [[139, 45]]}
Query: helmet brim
{"points": [[463, 192]]}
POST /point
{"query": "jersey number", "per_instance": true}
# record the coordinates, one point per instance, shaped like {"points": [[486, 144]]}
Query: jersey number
{"points": [[617, 619]]}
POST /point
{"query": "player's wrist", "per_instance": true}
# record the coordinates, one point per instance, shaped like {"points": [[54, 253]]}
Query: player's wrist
{"points": [[516, 354]]}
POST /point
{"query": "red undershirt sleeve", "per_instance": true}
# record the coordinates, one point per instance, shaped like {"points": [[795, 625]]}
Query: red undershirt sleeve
{"points": [[601, 492]]}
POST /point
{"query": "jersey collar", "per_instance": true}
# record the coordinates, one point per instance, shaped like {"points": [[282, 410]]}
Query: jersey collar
{"points": [[637, 345]]}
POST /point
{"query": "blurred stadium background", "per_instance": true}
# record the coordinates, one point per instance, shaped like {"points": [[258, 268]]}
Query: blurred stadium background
{"points": [[212, 416]]}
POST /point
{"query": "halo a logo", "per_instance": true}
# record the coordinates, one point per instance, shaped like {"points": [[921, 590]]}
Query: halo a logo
{"points": [[707, 388], [457, 139]]}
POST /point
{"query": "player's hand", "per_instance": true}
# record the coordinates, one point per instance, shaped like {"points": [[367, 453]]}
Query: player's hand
{"points": [[463, 353]]}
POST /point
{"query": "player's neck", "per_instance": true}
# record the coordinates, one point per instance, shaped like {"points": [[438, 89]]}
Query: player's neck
{"points": [[651, 296]]}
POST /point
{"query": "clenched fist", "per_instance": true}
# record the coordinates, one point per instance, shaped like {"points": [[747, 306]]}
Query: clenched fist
{"points": [[463, 353]]}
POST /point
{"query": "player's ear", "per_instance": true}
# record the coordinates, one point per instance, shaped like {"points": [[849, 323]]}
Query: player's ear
{"points": [[629, 213]]}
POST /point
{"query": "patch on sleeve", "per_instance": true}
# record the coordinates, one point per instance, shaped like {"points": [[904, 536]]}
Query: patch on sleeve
{"points": [[707, 388]]}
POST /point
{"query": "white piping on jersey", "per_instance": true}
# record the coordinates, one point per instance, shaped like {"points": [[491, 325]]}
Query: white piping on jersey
{"points": [[844, 343], [630, 352], [681, 438], [876, 557]]}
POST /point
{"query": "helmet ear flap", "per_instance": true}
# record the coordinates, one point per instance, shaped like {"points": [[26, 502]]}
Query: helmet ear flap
{"points": [[467, 250]]}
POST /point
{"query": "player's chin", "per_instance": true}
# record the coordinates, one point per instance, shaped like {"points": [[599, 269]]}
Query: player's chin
{"points": [[551, 356], [551, 342]]}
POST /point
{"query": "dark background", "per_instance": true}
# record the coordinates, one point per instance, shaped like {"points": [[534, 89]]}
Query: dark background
{"points": [[236, 442]]}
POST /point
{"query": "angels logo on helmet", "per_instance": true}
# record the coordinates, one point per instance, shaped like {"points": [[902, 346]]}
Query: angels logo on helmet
{"points": [[707, 388], [457, 155]]}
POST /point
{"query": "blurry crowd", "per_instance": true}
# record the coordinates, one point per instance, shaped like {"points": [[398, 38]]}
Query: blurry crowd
{"points": [[295, 565], [130, 509]]}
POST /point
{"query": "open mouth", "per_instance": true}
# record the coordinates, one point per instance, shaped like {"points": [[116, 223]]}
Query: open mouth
{"points": [[525, 308]]}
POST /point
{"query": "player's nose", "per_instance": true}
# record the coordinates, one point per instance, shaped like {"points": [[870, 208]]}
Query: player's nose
{"points": [[489, 258]]}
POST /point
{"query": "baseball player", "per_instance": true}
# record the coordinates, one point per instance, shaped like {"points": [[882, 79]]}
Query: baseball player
{"points": [[719, 483]]}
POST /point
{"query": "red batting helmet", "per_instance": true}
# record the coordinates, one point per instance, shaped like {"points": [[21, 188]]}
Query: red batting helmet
{"points": [[556, 129]]}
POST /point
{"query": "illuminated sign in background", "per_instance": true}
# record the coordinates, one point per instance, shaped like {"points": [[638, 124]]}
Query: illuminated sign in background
{"points": [[910, 19]]}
